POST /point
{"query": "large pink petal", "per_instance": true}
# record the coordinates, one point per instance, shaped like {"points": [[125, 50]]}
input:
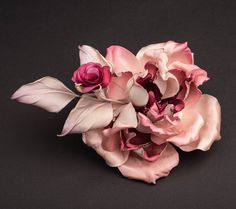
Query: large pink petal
{"points": [[114, 158], [137, 168], [174, 51], [116, 89], [123, 60], [47, 93], [150, 52], [89, 54], [89, 113], [193, 95], [188, 128], [209, 108]]}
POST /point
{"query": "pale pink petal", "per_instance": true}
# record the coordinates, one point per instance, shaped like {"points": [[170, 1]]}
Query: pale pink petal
{"points": [[150, 52], [89, 54], [89, 113], [172, 86], [178, 52], [179, 74], [101, 95], [174, 51], [193, 95], [123, 60], [198, 75], [209, 108], [137, 168], [169, 86], [126, 118], [114, 158], [189, 128], [116, 89], [162, 84], [157, 56], [145, 125], [138, 95], [47, 93], [111, 142]]}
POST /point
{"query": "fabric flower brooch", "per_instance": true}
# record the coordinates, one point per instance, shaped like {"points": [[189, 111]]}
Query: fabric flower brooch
{"points": [[133, 110]]}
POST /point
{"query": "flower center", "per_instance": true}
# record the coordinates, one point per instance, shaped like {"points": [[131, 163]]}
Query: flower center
{"points": [[131, 139], [157, 107]]}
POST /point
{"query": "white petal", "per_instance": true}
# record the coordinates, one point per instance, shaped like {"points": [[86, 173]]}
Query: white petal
{"points": [[162, 84], [47, 93], [172, 87], [127, 117], [137, 94], [89, 113], [89, 54]]}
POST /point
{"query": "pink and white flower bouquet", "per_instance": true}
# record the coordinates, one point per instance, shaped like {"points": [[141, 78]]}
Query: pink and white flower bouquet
{"points": [[134, 110]]}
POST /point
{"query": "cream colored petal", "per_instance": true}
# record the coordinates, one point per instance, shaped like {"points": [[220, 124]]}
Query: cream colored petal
{"points": [[47, 93], [89, 113], [89, 54]]}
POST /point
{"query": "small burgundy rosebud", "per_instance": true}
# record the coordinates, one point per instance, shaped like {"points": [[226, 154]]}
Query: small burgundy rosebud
{"points": [[91, 76]]}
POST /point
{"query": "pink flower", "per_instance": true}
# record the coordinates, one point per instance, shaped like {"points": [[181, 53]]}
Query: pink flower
{"points": [[91, 76], [161, 82], [151, 102]]}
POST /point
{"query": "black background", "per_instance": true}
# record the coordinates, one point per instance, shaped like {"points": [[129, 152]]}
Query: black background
{"points": [[39, 171]]}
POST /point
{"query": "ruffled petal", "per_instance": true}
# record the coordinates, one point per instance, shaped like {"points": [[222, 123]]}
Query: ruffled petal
{"points": [[178, 52], [196, 74], [172, 86], [193, 96], [123, 60], [209, 108], [114, 158], [145, 125], [188, 128], [137, 168], [89, 113], [174, 51], [47, 93]]}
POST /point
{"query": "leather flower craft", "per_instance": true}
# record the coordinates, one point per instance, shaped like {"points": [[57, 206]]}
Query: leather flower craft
{"points": [[134, 110]]}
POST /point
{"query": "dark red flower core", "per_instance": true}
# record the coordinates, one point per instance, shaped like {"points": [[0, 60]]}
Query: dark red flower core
{"points": [[155, 94], [141, 144], [131, 139]]}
